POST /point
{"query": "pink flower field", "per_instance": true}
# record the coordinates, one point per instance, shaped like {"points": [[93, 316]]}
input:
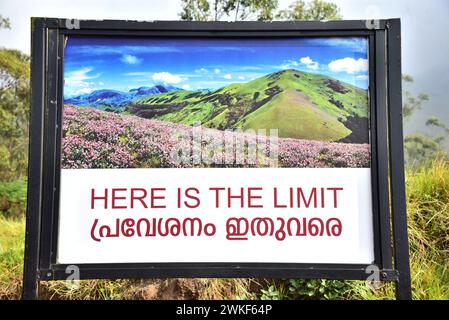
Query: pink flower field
{"points": [[99, 139]]}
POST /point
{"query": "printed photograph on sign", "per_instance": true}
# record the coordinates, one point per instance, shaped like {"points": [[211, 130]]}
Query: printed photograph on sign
{"points": [[137, 103], [209, 149]]}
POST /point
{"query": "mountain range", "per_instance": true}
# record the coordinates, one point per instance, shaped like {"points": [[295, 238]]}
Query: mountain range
{"points": [[299, 104], [113, 99]]}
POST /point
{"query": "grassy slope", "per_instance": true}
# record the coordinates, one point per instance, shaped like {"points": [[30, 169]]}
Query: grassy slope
{"points": [[268, 102], [296, 116]]}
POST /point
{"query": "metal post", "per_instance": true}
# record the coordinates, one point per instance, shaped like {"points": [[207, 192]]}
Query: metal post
{"points": [[397, 181], [33, 216]]}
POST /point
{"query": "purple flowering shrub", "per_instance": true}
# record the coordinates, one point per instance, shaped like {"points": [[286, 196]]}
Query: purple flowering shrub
{"points": [[316, 154], [99, 139]]}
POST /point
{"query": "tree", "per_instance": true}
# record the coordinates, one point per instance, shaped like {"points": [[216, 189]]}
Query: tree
{"points": [[316, 10], [411, 103], [14, 109], [204, 10], [436, 122], [262, 10], [198, 10], [4, 23], [420, 147]]}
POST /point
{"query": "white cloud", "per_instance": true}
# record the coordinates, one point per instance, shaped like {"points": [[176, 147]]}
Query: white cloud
{"points": [[78, 82], [138, 74], [354, 44], [101, 83], [202, 70], [349, 65], [101, 50], [362, 77], [166, 77], [186, 87], [309, 63], [216, 70], [130, 59], [241, 77], [81, 91], [79, 77], [290, 64], [249, 68], [306, 60], [228, 76]]}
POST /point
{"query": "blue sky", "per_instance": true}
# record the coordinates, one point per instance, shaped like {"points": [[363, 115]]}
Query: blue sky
{"points": [[193, 64]]}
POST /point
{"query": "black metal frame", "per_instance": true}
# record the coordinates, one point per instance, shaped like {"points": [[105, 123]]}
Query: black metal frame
{"points": [[48, 36]]}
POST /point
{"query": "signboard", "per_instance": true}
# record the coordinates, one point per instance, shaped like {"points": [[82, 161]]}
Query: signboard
{"points": [[216, 150]]}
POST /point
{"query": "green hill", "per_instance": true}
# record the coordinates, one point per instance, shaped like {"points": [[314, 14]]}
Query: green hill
{"points": [[301, 105], [297, 116]]}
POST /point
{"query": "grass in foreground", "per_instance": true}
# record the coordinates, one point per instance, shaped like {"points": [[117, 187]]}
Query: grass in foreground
{"points": [[12, 242], [428, 220], [428, 226]]}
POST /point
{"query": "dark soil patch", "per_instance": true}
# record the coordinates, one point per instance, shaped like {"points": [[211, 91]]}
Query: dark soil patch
{"points": [[336, 86], [359, 128], [336, 103]]}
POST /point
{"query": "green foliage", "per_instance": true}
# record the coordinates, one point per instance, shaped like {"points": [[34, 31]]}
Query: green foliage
{"points": [[12, 244], [436, 122], [265, 9], [13, 197], [216, 10], [273, 293], [317, 289], [411, 103], [421, 148], [297, 289], [315, 10], [428, 197], [261, 10], [4, 23], [14, 110], [196, 10], [428, 228]]}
